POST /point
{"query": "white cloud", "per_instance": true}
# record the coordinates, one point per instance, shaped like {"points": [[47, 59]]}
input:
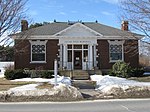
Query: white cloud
{"points": [[107, 13], [62, 13]]}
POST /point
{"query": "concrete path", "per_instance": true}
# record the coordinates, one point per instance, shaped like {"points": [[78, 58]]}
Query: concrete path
{"points": [[86, 87]]}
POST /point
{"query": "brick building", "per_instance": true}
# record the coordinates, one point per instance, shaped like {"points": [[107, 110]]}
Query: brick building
{"points": [[76, 45]]}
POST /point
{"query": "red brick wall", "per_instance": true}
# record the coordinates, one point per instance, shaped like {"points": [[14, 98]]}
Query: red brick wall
{"points": [[103, 51], [130, 56], [23, 54], [131, 53]]}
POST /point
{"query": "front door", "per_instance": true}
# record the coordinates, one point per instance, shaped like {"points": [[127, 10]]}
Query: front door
{"points": [[77, 59]]}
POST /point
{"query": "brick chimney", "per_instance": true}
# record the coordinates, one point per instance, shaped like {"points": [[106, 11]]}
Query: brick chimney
{"points": [[24, 25], [124, 26]]}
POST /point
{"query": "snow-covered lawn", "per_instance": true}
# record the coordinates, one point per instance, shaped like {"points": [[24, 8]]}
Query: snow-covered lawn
{"points": [[24, 88], [60, 80], [106, 83], [63, 91]]}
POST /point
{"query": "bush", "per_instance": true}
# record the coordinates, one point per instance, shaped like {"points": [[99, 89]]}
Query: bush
{"points": [[136, 72], [111, 73], [15, 74], [47, 74], [120, 69]]}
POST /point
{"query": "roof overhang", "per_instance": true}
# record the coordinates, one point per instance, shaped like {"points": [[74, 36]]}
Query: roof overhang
{"points": [[47, 37]]}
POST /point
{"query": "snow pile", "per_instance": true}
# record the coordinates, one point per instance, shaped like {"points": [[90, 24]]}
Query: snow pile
{"points": [[24, 88], [109, 84], [68, 92], [60, 79], [30, 90], [61, 92]]}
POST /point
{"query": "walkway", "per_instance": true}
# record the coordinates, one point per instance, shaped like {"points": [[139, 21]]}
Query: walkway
{"points": [[86, 87]]}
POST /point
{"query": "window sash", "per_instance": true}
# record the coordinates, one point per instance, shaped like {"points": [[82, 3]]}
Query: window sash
{"points": [[115, 52], [38, 56], [38, 51], [115, 56]]}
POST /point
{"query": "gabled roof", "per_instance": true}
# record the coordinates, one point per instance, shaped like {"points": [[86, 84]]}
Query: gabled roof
{"points": [[53, 28]]}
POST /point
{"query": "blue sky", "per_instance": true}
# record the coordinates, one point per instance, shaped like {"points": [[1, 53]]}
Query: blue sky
{"points": [[105, 11]]}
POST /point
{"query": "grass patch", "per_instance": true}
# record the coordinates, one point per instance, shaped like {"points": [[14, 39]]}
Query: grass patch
{"points": [[7, 84], [45, 85], [141, 79]]}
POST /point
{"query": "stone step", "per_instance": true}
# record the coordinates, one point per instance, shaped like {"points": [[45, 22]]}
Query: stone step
{"points": [[80, 74], [81, 77]]}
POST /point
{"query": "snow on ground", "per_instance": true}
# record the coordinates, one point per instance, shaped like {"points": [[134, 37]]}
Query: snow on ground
{"points": [[63, 90], [60, 80], [106, 83], [2, 70], [24, 88]]}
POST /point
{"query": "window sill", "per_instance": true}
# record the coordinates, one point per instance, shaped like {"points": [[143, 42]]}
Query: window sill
{"points": [[114, 61], [38, 62]]}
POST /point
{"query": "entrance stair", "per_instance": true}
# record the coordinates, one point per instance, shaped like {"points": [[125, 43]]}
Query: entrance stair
{"points": [[79, 74], [75, 74]]}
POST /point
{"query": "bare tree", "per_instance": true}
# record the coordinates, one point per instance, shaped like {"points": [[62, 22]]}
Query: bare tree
{"points": [[11, 13], [137, 12]]}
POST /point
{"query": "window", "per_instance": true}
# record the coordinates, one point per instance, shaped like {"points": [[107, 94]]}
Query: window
{"points": [[115, 50], [77, 46], [38, 51], [69, 46], [85, 47]]}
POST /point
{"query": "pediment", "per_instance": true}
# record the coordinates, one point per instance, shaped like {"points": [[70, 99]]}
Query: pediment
{"points": [[78, 30]]}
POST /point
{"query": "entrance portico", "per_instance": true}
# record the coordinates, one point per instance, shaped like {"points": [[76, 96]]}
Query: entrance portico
{"points": [[78, 54]]}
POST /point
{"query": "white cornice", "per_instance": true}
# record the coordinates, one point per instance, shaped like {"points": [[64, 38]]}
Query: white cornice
{"points": [[49, 37]]}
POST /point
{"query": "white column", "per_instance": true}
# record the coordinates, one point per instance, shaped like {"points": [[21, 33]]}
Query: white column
{"points": [[61, 55], [72, 58], [64, 55], [82, 58], [55, 71], [94, 48], [90, 57]]}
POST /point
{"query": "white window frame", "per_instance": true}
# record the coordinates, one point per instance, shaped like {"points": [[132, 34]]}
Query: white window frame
{"points": [[116, 42], [38, 42]]}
